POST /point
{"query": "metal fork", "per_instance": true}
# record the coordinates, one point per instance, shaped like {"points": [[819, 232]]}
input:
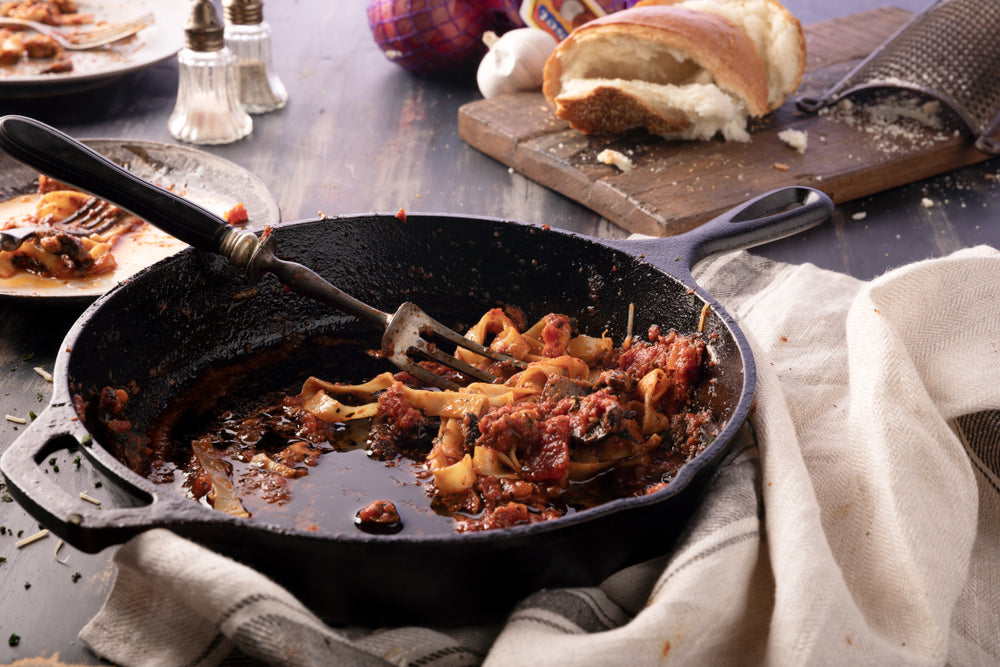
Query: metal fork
{"points": [[82, 40], [94, 217]]}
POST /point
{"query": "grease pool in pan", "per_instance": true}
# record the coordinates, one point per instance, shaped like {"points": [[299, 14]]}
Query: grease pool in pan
{"points": [[328, 498], [332, 492]]}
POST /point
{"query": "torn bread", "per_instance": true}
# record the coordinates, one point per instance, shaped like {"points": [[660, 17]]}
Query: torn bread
{"points": [[684, 69]]}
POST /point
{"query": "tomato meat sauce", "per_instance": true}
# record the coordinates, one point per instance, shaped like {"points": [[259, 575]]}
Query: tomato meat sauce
{"points": [[581, 423]]}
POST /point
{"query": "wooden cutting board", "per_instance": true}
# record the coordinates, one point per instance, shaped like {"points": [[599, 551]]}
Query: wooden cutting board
{"points": [[677, 185]]}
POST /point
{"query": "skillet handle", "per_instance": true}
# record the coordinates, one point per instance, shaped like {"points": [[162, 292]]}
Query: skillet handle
{"points": [[769, 217], [59, 156], [82, 524]]}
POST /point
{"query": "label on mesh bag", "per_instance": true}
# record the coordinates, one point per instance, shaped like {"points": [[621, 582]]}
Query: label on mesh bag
{"points": [[559, 17]]}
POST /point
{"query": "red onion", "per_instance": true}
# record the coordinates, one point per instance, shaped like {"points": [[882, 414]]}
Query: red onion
{"points": [[438, 36]]}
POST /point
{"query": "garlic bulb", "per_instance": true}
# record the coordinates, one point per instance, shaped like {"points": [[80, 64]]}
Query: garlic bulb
{"points": [[514, 62]]}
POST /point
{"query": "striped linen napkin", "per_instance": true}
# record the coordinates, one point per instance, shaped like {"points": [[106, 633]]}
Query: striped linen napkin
{"points": [[855, 521]]}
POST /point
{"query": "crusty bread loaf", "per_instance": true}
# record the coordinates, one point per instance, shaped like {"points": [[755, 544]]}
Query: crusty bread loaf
{"points": [[680, 68]]}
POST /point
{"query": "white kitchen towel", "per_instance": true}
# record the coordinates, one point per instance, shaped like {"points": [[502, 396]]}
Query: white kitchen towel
{"points": [[855, 521]]}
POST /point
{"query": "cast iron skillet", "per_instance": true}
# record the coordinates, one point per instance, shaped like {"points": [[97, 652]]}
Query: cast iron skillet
{"points": [[157, 333]]}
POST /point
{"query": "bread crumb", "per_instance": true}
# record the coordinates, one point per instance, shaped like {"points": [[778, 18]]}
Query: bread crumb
{"points": [[797, 139], [927, 202], [616, 159], [781, 166]]}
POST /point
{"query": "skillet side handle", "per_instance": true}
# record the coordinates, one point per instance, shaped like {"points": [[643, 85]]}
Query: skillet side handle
{"points": [[85, 526], [59, 156], [769, 217]]}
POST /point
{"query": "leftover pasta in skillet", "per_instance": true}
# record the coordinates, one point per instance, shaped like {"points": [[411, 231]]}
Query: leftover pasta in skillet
{"points": [[583, 422]]}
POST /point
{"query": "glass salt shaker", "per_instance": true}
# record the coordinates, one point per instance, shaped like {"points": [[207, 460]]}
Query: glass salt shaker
{"points": [[248, 36], [208, 108]]}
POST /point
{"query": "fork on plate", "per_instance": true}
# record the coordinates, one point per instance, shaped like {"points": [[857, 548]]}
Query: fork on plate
{"points": [[94, 217], [82, 40]]}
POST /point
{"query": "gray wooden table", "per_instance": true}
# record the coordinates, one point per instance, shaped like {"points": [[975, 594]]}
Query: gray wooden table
{"points": [[361, 135]]}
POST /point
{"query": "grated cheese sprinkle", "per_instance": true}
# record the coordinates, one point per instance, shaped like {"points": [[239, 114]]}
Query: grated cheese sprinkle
{"points": [[44, 532], [89, 499], [55, 555], [701, 320]]}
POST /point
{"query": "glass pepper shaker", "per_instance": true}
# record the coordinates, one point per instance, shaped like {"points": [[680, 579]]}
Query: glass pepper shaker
{"points": [[248, 36], [208, 108]]}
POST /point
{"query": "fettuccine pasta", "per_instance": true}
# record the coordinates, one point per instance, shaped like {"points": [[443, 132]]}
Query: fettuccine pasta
{"points": [[579, 423]]}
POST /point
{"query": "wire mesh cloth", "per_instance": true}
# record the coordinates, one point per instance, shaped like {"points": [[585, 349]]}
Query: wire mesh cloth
{"points": [[951, 52]]}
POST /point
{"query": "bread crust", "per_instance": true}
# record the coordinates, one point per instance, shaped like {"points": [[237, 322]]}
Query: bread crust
{"points": [[612, 110], [627, 69]]}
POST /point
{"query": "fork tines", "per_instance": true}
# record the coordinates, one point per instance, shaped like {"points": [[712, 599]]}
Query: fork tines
{"points": [[94, 217], [110, 32], [411, 332], [431, 350], [84, 211], [79, 40]]}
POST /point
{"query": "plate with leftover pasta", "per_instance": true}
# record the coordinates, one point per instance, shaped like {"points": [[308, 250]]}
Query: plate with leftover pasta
{"points": [[68, 260], [31, 65]]}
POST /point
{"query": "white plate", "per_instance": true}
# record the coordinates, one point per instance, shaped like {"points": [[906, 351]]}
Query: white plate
{"points": [[212, 182], [158, 42]]}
